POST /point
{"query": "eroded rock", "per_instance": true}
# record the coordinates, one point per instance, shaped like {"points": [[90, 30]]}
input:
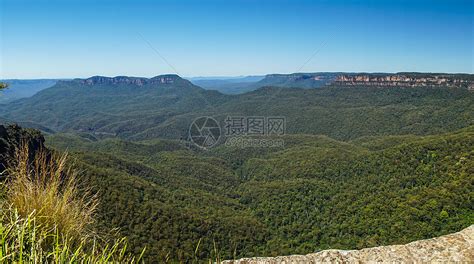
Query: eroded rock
{"points": [[457, 247]]}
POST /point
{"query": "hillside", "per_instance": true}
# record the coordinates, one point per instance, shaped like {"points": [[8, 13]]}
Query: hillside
{"points": [[317, 193], [252, 83], [228, 85], [47, 215], [321, 79], [236, 132], [361, 166], [24, 88], [11, 137], [300, 80], [111, 106], [140, 108]]}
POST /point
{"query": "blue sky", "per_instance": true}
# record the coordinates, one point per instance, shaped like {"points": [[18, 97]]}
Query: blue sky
{"points": [[69, 38]]}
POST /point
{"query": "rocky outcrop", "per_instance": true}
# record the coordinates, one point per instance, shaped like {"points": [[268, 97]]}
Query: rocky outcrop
{"points": [[407, 80], [161, 79], [457, 247], [401, 79]]}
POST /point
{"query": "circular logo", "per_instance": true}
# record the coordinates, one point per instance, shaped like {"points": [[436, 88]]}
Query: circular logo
{"points": [[204, 132]]}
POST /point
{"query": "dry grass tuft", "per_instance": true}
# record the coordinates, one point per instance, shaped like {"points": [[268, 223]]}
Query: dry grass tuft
{"points": [[44, 188], [46, 218]]}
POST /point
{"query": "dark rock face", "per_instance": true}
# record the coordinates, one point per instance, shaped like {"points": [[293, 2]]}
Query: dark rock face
{"points": [[12, 136]]}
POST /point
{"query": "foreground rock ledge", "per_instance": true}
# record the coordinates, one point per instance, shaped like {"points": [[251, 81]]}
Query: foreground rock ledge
{"points": [[457, 247]]}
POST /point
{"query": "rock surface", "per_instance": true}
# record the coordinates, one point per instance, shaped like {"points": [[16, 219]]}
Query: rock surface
{"points": [[407, 80], [457, 247], [161, 79]]}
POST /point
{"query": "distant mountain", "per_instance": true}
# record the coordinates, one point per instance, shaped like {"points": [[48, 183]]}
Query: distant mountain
{"points": [[164, 107], [251, 83], [24, 88], [300, 80], [234, 79], [171, 79], [111, 106], [401, 79], [407, 79], [229, 85]]}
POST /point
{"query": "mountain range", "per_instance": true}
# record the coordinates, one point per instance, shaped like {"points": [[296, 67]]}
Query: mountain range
{"points": [[164, 106], [362, 164], [24, 88]]}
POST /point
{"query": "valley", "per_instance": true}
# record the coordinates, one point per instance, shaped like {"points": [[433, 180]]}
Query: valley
{"points": [[360, 166], [246, 132], [316, 193]]}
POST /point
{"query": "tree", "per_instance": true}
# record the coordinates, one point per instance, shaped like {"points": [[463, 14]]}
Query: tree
{"points": [[3, 86]]}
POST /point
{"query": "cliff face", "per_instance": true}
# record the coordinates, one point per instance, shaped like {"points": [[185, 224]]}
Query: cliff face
{"points": [[161, 79], [401, 79], [407, 80], [457, 247]]}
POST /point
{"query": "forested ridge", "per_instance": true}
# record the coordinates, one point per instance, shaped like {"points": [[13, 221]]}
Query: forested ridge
{"points": [[156, 110]]}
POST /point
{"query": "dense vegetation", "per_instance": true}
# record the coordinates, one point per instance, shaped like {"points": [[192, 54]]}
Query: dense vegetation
{"points": [[169, 199], [300, 80], [166, 110], [360, 166], [46, 216], [317, 193], [318, 198]]}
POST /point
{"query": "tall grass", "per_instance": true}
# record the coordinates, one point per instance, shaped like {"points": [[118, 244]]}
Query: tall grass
{"points": [[41, 185], [23, 240], [45, 217]]}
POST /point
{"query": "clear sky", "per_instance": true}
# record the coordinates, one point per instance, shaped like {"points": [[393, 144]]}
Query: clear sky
{"points": [[70, 38]]}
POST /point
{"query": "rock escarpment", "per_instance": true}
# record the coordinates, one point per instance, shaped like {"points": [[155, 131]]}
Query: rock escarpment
{"points": [[161, 79], [457, 247], [407, 80], [400, 79]]}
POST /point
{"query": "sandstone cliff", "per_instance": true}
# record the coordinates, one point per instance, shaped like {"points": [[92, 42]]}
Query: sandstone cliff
{"points": [[407, 80], [161, 79], [457, 247]]}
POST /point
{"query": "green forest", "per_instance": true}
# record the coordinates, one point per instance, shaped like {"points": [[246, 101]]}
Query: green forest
{"points": [[317, 193], [236, 131], [360, 166]]}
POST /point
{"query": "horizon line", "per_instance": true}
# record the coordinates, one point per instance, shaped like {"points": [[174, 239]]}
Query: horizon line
{"points": [[233, 76]]}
